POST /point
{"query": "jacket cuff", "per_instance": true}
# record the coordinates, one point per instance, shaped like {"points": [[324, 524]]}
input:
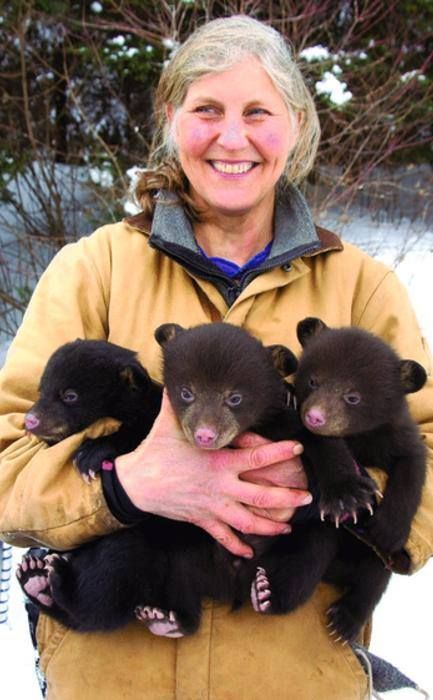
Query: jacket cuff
{"points": [[118, 501]]}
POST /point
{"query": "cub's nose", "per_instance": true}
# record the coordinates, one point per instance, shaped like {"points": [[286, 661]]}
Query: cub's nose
{"points": [[315, 418], [205, 437], [31, 421]]}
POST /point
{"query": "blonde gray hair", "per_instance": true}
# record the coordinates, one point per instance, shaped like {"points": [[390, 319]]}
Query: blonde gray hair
{"points": [[213, 48]]}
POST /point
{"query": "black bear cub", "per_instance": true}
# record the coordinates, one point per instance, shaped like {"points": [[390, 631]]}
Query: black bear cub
{"points": [[221, 381], [85, 380], [350, 388], [350, 384]]}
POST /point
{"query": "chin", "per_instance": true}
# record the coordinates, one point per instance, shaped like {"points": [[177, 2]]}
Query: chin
{"points": [[227, 206]]}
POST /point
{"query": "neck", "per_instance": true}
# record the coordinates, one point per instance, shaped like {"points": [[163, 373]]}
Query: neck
{"points": [[235, 238]]}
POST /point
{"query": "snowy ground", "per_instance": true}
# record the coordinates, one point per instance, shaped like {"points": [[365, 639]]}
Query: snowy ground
{"points": [[403, 622]]}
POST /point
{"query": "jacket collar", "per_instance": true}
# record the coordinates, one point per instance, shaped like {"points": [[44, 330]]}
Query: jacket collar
{"points": [[295, 235]]}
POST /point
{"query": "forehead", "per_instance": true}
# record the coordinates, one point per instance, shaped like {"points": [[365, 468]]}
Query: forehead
{"points": [[246, 81]]}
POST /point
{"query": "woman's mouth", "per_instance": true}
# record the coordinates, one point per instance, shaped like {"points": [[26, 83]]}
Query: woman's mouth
{"points": [[227, 168]]}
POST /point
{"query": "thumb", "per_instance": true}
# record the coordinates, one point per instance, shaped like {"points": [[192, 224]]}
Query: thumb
{"points": [[249, 440], [166, 421]]}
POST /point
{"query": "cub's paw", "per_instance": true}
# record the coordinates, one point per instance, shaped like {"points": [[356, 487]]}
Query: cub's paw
{"points": [[347, 498], [261, 592], [34, 575], [385, 534], [343, 625], [163, 623], [92, 456]]}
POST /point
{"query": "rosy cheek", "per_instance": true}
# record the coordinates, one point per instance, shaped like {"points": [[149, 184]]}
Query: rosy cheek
{"points": [[196, 138], [275, 142]]}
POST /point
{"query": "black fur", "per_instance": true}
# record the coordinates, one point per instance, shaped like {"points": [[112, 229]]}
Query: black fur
{"points": [[161, 562], [90, 379], [356, 385]]}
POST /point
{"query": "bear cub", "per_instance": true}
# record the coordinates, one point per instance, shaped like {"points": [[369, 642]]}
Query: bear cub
{"points": [[351, 390], [85, 380]]}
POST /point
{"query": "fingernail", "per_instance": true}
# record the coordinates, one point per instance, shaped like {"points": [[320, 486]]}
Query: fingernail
{"points": [[305, 501], [286, 530], [298, 449]]}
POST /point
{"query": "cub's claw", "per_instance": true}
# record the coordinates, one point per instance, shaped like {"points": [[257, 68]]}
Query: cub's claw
{"points": [[347, 498], [163, 623], [261, 591]]}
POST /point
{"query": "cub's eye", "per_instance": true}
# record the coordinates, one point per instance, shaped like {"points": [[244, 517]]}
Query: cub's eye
{"points": [[69, 396], [313, 383], [353, 398], [234, 400], [186, 395]]}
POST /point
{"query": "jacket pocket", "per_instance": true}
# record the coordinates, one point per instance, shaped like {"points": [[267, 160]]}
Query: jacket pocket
{"points": [[50, 635]]}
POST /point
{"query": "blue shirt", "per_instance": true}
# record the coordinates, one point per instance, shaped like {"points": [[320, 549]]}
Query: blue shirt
{"points": [[231, 269]]}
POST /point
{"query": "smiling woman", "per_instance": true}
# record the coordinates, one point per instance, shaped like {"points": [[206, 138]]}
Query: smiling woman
{"points": [[233, 150], [223, 235], [260, 67]]}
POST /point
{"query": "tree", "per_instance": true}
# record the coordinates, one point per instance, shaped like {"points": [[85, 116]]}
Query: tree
{"points": [[76, 85]]}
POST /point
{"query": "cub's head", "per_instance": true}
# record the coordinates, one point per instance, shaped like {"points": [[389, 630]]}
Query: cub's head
{"points": [[350, 381], [83, 381], [221, 381]]}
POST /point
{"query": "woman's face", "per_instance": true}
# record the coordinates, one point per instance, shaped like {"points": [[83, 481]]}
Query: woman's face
{"points": [[234, 134]]}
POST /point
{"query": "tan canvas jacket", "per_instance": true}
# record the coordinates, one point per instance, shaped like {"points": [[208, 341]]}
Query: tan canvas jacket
{"points": [[114, 285]]}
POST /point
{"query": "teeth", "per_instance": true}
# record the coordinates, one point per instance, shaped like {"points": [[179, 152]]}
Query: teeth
{"points": [[232, 168]]}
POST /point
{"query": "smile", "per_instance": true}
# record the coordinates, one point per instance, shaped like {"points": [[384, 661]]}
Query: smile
{"points": [[232, 168]]}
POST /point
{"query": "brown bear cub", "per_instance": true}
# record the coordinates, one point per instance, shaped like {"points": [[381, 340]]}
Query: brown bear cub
{"points": [[221, 381]]}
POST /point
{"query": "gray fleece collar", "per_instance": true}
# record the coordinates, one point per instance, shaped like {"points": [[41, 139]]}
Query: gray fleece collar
{"points": [[293, 225]]}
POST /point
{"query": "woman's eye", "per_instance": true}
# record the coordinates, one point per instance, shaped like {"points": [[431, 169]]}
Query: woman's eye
{"points": [[69, 396], [257, 113], [207, 110], [353, 398], [186, 395], [234, 400]]}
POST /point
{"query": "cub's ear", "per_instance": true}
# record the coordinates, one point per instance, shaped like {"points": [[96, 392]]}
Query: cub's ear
{"points": [[413, 376], [134, 376], [166, 332], [309, 327], [284, 360]]}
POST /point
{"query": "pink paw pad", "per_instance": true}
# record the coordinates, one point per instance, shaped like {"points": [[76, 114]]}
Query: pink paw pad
{"points": [[261, 591], [163, 623]]}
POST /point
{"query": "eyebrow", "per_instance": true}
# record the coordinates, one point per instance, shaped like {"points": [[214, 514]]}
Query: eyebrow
{"points": [[200, 99]]}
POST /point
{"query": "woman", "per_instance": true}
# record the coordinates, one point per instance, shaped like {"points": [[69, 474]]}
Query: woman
{"points": [[224, 235]]}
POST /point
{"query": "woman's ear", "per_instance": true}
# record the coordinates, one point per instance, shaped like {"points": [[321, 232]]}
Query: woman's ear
{"points": [[169, 112]]}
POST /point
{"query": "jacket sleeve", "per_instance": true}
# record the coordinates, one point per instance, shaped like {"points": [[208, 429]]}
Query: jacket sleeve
{"points": [[42, 497], [388, 313]]}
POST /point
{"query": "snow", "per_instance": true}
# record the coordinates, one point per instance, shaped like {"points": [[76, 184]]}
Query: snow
{"points": [[315, 53], [334, 88], [403, 621]]}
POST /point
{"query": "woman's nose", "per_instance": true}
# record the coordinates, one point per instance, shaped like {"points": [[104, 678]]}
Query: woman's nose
{"points": [[233, 135]]}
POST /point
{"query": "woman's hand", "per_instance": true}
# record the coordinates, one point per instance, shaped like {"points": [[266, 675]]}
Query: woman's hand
{"points": [[289, 473], [215, 490]]}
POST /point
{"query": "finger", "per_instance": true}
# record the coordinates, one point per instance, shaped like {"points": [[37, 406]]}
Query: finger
{"points": [[289, 473], [227, 538], [269, 496], [279, 515], [250, 440], [260, 456], [248, 522]]}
